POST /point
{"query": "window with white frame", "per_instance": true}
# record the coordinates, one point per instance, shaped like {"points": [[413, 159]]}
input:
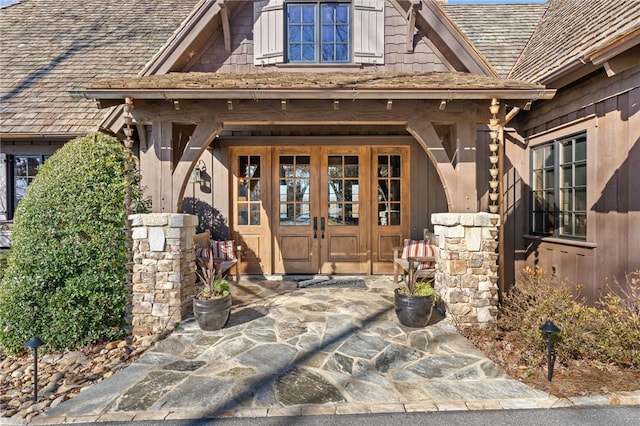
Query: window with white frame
{"points": [[559, 188], [318, 32]]}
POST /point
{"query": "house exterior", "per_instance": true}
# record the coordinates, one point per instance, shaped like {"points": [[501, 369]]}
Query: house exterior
{"points": [[319, 135], [576, 156], [48, 47]]}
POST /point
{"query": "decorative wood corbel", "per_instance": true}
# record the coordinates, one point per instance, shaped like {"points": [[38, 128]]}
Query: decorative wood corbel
{"points": [[411, 25]]}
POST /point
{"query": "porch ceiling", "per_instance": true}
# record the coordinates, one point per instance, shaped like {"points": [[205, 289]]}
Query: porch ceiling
{"points": [[314, 85]]}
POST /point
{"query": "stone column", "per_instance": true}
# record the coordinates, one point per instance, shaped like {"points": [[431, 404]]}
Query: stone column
{"points": [[466, 270], [163, 270]]}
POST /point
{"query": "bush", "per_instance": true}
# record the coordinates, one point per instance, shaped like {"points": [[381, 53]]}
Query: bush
{"points": [[4, 254], [65, 280], [608, 332]]}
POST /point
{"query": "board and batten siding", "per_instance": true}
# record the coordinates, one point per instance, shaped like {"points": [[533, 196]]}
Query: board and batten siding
{"points": [[608, 110]]}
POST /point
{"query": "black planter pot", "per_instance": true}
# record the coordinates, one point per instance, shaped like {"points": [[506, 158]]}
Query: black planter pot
{"points": [[413, 311], [212, 314]]}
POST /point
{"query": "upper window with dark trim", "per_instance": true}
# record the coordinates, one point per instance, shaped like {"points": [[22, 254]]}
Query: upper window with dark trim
{"points": [[318, 32], [559, 188]]}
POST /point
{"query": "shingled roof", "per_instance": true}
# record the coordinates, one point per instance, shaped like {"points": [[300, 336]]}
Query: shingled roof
{"points": [[49, 47], [288, 85], [499, 31], [572, 29]]}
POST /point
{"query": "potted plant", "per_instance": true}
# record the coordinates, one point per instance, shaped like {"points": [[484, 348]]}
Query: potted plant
{"points": [[414, 301], [212, 302]]}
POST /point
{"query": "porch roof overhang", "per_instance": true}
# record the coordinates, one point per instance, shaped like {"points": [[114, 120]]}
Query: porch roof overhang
{"points": [[314, 85]]}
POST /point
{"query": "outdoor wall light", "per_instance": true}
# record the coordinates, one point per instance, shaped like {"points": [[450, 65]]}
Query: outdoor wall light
{"points": [[34, 343], [196, 174], [549, 328]]}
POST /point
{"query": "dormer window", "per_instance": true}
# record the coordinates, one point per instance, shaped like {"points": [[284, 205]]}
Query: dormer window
{"points": [[318, 32]]}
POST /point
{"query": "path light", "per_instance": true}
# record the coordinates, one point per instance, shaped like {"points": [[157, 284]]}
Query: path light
{"points": [[34, 343], [549, 328]]}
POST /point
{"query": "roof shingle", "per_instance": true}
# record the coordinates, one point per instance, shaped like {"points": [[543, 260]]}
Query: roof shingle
{"points": [[572, 29], [48, 47], [498, 31]]}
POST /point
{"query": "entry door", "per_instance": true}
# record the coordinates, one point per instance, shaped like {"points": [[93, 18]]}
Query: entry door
{"points": [[320, 210]]}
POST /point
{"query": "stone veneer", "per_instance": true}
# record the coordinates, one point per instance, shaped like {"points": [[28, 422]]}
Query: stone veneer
{"points": [[467, 270], [163, 282]]}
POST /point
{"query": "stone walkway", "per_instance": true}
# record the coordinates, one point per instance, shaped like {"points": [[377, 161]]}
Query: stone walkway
{"points": [[333, 347]]}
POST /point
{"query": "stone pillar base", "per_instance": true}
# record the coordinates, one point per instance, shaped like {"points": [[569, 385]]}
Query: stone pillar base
{"points": [[467, 270], [163, 282]]}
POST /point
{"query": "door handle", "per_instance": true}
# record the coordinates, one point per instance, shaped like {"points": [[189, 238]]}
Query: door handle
{"points": [[315, 227], [322, 227]]}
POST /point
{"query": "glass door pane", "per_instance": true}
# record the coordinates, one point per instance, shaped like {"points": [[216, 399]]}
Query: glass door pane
{"points": [[389, 194], [249, 190], [295, 189], [343, 190]]}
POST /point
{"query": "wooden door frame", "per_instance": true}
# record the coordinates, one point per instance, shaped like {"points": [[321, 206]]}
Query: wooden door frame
{"points": [[255, 240]]}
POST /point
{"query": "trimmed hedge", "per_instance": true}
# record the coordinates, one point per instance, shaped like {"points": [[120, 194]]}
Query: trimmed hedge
{"points": [[65, 280]]}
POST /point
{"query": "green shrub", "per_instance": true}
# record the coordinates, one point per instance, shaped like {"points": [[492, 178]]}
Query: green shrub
{"points": [[608, 332], [4, 254], [65, 281]]}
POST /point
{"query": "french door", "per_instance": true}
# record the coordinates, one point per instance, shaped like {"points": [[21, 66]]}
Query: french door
{"points": [[320, 210]]}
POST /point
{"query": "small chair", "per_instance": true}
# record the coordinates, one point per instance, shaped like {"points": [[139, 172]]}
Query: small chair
{"points": [[418, 258], [224, 253]]}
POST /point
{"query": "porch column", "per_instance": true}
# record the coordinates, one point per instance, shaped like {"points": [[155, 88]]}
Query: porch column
{"points": [[466, 271], [156, 167], [163, 270]]}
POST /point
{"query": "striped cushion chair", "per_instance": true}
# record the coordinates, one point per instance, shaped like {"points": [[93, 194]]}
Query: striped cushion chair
{"points": [[416, 254], [224, 253], [223, 250]]}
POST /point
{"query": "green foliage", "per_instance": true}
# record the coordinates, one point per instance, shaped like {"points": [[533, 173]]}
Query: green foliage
{"points": [[4, 254], [66, 276], [424, 288], [419, 288], [608, 332], [211, 283]]}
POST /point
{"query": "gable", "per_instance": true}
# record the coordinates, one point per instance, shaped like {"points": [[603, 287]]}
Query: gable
{"points": [[387, 35]]}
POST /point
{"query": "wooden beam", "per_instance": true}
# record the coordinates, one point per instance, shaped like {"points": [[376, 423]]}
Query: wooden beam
{"points": [[425, 134], [623, 62], [226, 32], [411, 25], [157, 163], [197, 144], [307, 112]]}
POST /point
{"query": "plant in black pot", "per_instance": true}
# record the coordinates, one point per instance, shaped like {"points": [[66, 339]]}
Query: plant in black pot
{"points": [[212, 302], [414, 301]]}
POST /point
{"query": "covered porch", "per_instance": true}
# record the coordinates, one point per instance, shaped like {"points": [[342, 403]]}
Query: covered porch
{"points": [[407, 144]]}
